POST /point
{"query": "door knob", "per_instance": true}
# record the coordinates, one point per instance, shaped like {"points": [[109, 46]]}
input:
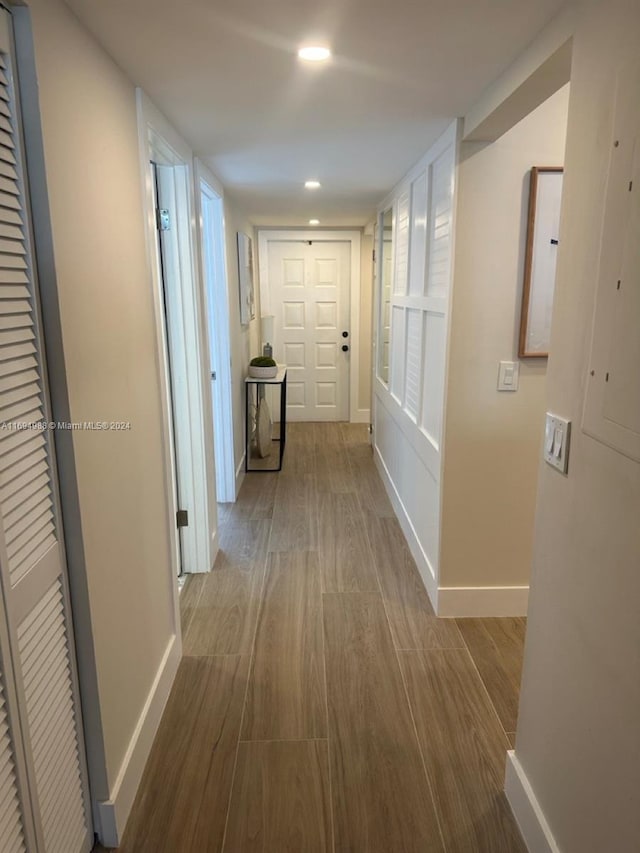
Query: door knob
{"points": [[345, 348], [345, 334]]}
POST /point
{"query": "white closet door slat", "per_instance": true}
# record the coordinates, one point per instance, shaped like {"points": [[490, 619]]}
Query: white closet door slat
{"points": [[16, 335], [9, 217], [27, 520], [17, 378], [37, 494], [13, 321], [6, 184], [11, 820], [20, 395], [14, 306], [12, 245], [11, 445], [21, 411], [15, 492], [59, 769], [9, 232]]}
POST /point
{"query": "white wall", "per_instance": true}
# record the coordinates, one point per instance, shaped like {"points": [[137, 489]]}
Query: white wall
{"points": [[88, 112], [493, 439], [245, 340], [578, 740]]}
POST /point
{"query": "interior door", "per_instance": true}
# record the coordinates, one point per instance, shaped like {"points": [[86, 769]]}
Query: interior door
{"points": [[310, 285], [168, 258], [43, 793]]}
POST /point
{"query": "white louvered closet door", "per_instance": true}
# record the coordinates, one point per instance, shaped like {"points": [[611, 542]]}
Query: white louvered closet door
{"points": [[43, 803]]}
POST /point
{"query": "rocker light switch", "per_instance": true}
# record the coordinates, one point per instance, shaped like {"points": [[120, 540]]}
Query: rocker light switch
{"points": [[508, 376], [556, 442]]}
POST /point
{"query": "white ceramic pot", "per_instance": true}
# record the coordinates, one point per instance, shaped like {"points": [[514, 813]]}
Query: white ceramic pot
{"points": [[262, 372]]}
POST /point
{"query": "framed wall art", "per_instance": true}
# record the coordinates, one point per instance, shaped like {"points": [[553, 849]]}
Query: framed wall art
{"points": [[245, 277], [545, 196]]}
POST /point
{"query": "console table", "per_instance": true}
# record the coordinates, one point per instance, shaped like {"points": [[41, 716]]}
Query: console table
{"points": [[251, 383]]}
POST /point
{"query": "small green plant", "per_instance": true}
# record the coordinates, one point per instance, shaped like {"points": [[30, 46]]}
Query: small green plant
{"points": [[262, 361]]}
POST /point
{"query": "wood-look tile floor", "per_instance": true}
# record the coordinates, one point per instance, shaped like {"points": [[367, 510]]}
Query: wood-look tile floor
{"points": [[320, 704]]}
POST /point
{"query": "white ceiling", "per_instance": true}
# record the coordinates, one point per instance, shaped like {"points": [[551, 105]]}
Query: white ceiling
{"points": [[226, 74]]}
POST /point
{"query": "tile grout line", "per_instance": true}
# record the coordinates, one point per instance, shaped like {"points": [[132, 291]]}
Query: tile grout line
{"points": [[324, 655], [195, 604], [326, 699], [249, 670], [285, 740], [436, 810], [485, 689]]}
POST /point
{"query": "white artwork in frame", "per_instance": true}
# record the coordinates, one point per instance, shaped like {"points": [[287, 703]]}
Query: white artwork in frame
{"points": [[540, 262], [245, 276]]}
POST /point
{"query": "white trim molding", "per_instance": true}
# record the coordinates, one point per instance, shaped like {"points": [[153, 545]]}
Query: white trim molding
{"points": [[266, 235], [526, 809], [114, 812], [482, 601], [209, 198], [422, 561], [361, 416]]}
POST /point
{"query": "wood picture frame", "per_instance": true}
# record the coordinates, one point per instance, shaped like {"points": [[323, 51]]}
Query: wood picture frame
{"points": [[245, 279], [545, 195]]}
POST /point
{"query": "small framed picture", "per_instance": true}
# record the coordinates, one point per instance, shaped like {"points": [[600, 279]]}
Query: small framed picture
{"points": [[545, 197], [245, 276]]}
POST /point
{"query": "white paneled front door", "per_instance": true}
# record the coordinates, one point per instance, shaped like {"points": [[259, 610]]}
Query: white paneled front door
{"points": [[310, 292]]}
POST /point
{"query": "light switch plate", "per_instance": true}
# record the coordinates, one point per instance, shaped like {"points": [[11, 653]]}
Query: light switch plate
{"points": [[508, 374], [557, 438]]}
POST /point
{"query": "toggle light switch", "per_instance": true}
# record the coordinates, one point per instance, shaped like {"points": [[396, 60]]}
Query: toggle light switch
{"points": [[556, 442]]}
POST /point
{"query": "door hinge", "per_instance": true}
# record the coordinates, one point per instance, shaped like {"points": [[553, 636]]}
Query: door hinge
{"points": [[182, 518], [213, 374], [163, 219], [373, 254]]}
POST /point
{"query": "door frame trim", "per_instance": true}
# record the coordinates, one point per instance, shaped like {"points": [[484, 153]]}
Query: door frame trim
{"points": [[354, 237], [160, 142], [218, 320]]}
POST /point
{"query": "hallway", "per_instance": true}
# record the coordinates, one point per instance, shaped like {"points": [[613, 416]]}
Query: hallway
{"points": [[320, 704]]}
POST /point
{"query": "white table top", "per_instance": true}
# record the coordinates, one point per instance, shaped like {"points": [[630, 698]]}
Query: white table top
{"points": [[277, 379]]}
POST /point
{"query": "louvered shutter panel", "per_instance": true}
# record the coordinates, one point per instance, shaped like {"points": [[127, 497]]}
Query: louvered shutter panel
{"points": [[12, 828], [31, 554]]}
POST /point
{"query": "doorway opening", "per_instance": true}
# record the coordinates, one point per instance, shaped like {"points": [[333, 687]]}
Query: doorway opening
{"points": [[181, 337]]}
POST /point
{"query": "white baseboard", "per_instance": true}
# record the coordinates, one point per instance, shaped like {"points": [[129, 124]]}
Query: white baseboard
{"points": [[114, 812], [526, 809], [361, 416], [482, 601], [239, 475], [422, 561]]}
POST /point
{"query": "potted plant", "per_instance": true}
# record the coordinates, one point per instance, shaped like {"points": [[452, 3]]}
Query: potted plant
{"points": [[262, 367]]}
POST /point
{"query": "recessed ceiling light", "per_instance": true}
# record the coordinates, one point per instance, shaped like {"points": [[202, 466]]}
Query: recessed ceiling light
{"points": [[314, 222], [312, 185], [314, 53]]}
